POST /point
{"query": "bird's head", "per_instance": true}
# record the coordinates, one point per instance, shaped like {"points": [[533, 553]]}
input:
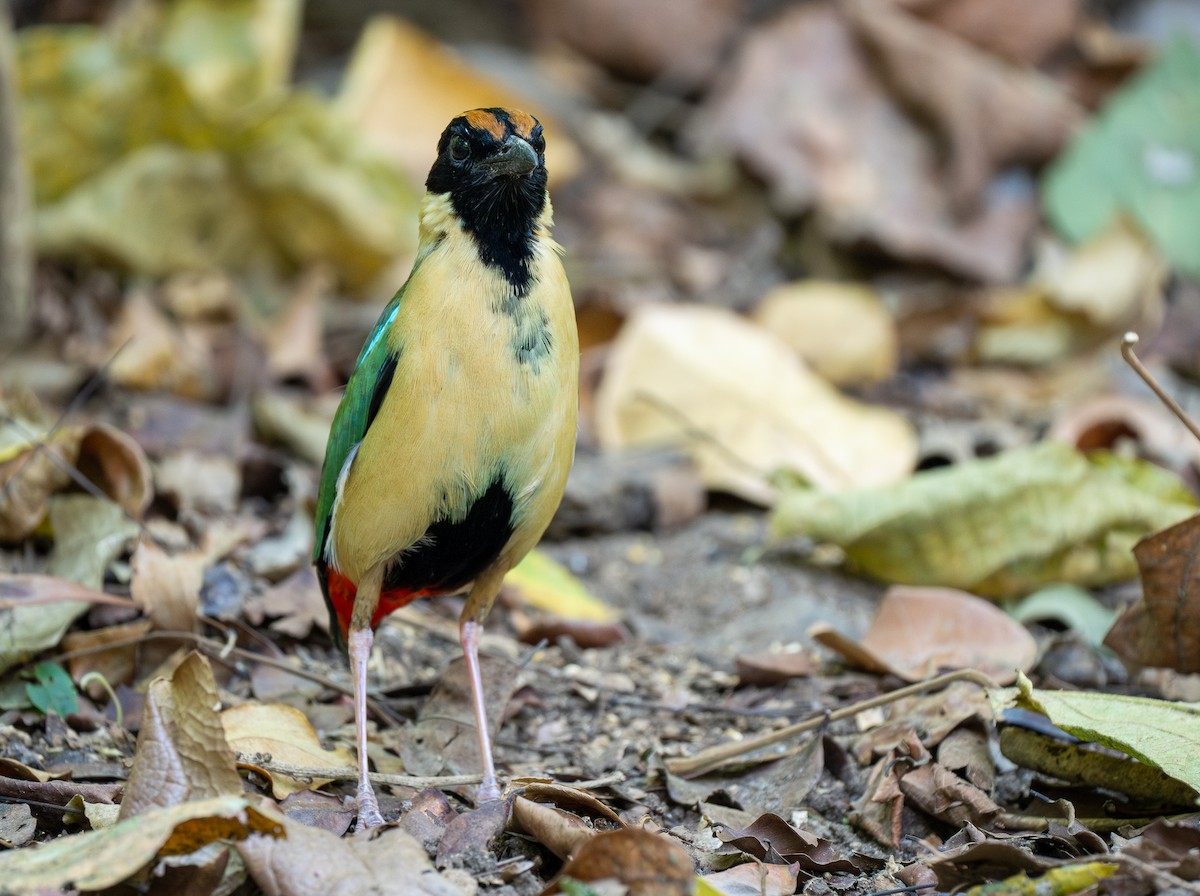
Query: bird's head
{"points": [[492, 165]]}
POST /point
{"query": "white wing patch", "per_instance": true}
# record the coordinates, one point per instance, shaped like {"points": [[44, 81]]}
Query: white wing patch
{"points": [[331, 540]]}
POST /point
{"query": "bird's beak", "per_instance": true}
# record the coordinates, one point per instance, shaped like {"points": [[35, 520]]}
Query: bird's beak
{"points": [[515, 159]]}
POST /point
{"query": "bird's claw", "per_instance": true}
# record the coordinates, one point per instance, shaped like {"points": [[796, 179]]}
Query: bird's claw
{"points": [[369, 815]]}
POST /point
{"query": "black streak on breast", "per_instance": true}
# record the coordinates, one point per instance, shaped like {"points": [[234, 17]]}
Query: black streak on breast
{"points": [[451, 554]]}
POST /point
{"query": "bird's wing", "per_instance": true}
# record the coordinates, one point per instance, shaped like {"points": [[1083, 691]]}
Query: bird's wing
{"points": [[368, 384]]}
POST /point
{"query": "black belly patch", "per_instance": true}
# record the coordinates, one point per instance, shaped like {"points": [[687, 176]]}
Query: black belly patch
{"points": [[451, 554]]}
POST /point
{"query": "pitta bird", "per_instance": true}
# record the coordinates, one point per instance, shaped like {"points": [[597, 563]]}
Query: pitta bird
{"points": [[451, 446]]}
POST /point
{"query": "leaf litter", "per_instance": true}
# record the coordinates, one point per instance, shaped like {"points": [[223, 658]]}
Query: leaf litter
{"points": [[673, 720]]}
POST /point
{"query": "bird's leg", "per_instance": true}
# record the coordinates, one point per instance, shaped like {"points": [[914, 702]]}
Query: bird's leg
{"points": [[359, 641], [479, 602]]}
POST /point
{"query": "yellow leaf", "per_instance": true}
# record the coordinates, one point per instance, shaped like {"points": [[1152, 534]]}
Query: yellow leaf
{"points": [[548, 585], [286, 735]]}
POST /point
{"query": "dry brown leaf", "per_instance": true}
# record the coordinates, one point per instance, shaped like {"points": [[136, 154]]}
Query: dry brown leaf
{"points": [[313, 862], [743, 405], [946, 796], [402, 86], [921, 631], [117, 664], [1163, 628], [754, 879], [295, 340], [1020, 30], [803, 108], [879, 811], [766, 669], [35, 464], [443, 739], [991, 114], [17, 826], [295, 605], [679, 41], [771, 839], [559, 831], [166, 586], [427, 817], [207, 483], [647, 864], [181, 750], [283, 733], [842, 330], [471, 836], [151, 353]]}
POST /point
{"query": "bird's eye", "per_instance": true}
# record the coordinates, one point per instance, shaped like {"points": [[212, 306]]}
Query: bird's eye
{"points": [[459, 149]]}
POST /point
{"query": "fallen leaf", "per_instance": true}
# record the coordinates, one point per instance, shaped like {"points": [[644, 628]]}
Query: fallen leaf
{"points": [[443, 739], [402, 86], [427, 817], [1163, 627], [1158, 732], [283, 733], [35, 463], [1022, 31], [743, 405], [53, 690], [922, 632], [167, 586], [285, 420], [1076, 608], [647, 864], [1137, 159], [17, 826], [802, 107], [471, 837], [754, 879], [842, 331], [771, 839], [199, 483], [999, 526], [35, 613], [181, 752], [559, 831], [939, 792], [312, 862], [295, 605], [542, 582], [96, 860], [991, 114], [89, 534], [1076, 878], [766, 669]]}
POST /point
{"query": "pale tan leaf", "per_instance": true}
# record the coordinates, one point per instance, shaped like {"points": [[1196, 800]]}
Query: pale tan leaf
{"points": [[285, 734], [743, 405]]}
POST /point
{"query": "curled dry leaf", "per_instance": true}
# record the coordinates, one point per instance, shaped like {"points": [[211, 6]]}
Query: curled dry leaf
{"points": [[34, 464], [559, 831], [1163, 627], [647, 864], [766, 669], [921, 632], [743, 405], [285, 734], [181, 750], [771, 839], [111, 652], [754, 879]]}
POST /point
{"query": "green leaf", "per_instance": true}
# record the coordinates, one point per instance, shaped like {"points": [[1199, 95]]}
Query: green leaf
{"points": [[1157, 732], [1075, 607], [1003, 526], [1139, 157], [54, 691]]}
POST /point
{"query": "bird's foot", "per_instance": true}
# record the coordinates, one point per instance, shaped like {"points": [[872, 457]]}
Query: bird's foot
{"points": [[369, 815], [488, 791]]}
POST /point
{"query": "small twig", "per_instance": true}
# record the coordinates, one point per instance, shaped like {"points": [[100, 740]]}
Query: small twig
{"points": [[308, 772], [714, 757], [1127, 344], [98, 597]]}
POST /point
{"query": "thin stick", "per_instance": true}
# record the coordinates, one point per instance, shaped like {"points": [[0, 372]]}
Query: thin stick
{"points": [[349, 773], [714, 757], [1127, 343]]}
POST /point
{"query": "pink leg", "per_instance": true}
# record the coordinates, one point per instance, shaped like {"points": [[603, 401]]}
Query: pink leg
{"points": [[360, 651], [469, 633]]}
